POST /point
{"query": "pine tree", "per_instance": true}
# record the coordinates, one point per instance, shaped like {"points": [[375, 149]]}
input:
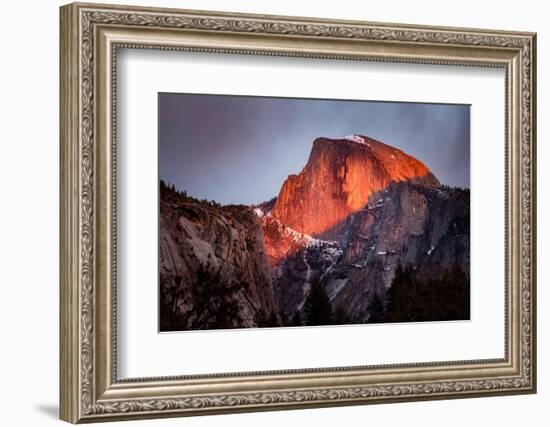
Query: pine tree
{"points": [[417, 299], [296, 319], [376, 310], [401, 293], [317, 308], [170, 298], [340, 316], [215, 305]]}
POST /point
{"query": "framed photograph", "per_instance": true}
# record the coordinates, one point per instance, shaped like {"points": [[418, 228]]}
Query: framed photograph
{"points": [[265, 212]]}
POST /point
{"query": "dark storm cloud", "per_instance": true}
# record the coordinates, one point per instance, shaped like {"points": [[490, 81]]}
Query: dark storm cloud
{"points": [[236, 149]]}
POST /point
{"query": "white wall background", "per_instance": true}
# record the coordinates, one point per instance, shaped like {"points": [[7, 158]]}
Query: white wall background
{"points": [[29, 170]]}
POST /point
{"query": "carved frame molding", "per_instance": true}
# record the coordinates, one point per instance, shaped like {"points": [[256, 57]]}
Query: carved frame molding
{"points": [[90, 36]]}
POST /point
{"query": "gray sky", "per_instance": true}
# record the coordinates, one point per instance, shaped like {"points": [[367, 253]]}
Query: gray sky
{"points": [[236, 149]]}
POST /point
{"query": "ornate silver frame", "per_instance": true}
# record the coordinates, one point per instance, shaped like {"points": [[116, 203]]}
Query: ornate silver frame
{"points": [[90, 36]]}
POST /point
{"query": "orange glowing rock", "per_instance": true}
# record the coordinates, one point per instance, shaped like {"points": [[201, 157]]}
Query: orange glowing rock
{"points": [[338, 179]]}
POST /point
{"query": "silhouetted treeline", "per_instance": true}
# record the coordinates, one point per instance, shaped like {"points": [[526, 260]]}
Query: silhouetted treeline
{"points": [[416, 300], [210, 304], [317, 307], [166, 187], [456, 189], [409, 299], [317, 310]]}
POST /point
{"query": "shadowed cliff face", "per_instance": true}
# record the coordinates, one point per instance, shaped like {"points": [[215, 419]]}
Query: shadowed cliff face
{"points": [[213, 267], [338, 179], [407, 223]]}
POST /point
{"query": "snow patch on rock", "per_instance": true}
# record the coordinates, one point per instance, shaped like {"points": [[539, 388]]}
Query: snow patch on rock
{"points": [[259, 212], [358, 139]]}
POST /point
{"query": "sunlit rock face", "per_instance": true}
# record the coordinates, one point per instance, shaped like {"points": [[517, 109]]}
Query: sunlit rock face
{"points": [[338, 179]]}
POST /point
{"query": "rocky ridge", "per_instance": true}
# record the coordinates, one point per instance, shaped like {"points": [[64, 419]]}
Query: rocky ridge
{"points": [[357, 210], [225, 245]]}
